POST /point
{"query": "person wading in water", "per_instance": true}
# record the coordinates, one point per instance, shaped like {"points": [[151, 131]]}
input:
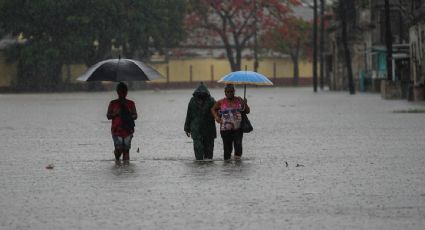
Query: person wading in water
{"points": [[227, 112], [123, 113], [200, 124]]}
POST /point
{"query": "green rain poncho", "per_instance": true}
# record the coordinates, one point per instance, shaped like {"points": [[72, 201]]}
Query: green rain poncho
{"points": [[199, 120]]}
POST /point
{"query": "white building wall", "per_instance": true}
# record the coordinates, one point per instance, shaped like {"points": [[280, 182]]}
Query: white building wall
{"points": [[417, 52]]}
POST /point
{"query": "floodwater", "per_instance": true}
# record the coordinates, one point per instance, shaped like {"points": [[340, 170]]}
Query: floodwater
{"points": [[352, 164]]}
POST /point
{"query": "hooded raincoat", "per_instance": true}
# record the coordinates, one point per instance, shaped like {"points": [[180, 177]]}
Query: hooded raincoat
{"points": [[200, 122]]}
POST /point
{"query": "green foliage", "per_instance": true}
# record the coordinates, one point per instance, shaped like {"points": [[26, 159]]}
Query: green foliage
{"points": [[158, 26], [412, 110], [58, 32], [40, 57], [37, 67]]}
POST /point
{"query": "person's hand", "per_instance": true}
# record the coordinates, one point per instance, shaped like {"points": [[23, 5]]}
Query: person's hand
{"points": [[187, 134], [115, 113], [244, 104], [219, 120]]}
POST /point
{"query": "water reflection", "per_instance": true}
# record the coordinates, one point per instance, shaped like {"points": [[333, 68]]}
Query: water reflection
{"points": [[200, 169], [217, 169], [238, 167], [123, 168]]}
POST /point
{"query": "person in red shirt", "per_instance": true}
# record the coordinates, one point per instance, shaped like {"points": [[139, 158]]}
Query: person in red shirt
{"points": [[123, 113]]}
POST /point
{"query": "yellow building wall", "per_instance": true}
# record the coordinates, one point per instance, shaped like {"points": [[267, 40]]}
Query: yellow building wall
{"points": [[306, 68], [185, 69], [7, 72], [73, 71], [210, 69]]}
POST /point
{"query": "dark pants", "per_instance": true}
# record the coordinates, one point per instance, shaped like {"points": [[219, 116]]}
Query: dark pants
{"points": [[232, 138], [204, 148]]}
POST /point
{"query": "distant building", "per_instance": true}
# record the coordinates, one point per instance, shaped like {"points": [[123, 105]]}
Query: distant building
{"points": [[417, 50], [367, 40]]}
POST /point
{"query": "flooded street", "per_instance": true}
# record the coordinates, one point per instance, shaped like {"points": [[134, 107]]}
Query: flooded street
{"points": [[352, 163]]}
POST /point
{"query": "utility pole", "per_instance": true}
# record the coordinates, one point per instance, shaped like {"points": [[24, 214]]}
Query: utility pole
{"points": [[389, 41], [315, 46], [322, 43]]}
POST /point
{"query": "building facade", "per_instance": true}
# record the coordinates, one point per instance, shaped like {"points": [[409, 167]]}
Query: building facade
{"points": [[366, 27], [417, 50]]}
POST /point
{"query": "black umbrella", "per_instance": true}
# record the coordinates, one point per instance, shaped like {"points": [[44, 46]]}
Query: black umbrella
{"points": [[120, 69]]}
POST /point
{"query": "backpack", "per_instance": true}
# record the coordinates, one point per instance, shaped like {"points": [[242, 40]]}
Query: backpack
{"points": [[126, 118]]}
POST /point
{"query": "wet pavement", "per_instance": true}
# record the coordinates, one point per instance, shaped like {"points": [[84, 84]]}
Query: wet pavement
{"points": [[314, 161]]}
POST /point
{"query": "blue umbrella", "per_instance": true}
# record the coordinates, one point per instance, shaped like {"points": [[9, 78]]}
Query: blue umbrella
{"points": [[245, 78]]}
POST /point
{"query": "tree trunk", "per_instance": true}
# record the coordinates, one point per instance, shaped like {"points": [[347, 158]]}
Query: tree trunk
{"points": [[238, 58], [234, 65], [295, 63], [315, 46], [68, 73], [347, 54], [255, 38]]}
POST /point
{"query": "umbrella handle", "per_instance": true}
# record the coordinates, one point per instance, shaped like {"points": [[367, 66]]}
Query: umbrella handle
{"points": [[244, 94], [244, 91]]}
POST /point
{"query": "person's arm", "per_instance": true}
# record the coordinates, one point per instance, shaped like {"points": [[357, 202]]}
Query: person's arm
{"points": [[111, 114], [133, 112], [245, 106], [188, 120], [214, 112]]}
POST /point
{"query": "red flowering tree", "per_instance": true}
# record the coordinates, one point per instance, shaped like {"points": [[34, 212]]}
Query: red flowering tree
{"points": [[232, 24], [291, 36]]}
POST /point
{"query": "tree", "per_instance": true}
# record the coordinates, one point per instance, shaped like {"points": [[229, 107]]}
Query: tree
{"points": [[58, 32], [41, 56], [291, 36], [232, 23], [160, 26], [343, 11]]}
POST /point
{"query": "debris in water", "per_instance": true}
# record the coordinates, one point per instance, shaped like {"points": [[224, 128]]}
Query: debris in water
{"points": [[286, 163], [50, 166], [299, 165], [138, 150]]}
